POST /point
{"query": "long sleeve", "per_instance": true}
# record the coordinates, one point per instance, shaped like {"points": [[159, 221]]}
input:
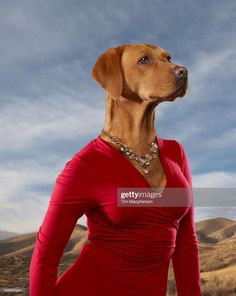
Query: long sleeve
{"points": [[68, 202], [185, 259]]}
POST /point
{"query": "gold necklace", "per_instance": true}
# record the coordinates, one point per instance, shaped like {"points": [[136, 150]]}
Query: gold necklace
{"points": [[142, 160]]}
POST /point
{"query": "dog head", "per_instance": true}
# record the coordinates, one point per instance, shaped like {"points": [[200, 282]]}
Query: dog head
{"points": [[142, 71]]}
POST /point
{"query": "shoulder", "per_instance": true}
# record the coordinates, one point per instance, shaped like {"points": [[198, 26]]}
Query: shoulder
{"points": [[173, 145], [81, 161], [174, 149], [90, 153]]}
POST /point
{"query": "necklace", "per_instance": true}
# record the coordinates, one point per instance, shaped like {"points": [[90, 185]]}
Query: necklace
{"points": [[142, 160]]}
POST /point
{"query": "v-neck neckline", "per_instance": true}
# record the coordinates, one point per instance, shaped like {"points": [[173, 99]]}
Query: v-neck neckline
{"points": [[135, 170]]}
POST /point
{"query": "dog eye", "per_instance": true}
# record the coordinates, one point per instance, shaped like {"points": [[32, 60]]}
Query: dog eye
{"points": [[144, 60], [169, 59]]}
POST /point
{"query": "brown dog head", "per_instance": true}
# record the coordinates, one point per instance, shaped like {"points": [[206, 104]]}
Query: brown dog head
{"points": [[144, 71]]}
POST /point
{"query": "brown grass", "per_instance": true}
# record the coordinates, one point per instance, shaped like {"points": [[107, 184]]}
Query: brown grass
{"points": [[217, 258]]}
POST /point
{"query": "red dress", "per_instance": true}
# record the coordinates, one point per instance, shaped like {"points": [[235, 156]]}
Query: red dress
{"points": [[130, 248]]}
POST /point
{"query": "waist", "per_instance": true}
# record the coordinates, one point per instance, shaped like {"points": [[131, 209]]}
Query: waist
{"points": [[149, 255]]}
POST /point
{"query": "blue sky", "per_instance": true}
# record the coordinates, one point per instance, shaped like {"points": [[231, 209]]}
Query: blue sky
{"points": [[50, 107]]}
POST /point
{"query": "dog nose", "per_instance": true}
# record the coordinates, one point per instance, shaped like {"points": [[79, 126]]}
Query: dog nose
{"points": [[181, 72]]}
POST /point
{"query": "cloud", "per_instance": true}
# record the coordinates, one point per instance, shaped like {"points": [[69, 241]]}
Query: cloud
{"points": [[201, 213], [24, 122], [215, 179], [50, 107], [25, 193]]}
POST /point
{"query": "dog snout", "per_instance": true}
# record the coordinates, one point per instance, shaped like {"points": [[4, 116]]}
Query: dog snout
{"points": [[180, 72]]}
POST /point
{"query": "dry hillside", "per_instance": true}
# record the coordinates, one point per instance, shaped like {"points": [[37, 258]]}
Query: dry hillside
{"points": [[217, 241]]}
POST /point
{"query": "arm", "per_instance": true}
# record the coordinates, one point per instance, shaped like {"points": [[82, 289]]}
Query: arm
{"points": [[185, 259], [67, 204]]}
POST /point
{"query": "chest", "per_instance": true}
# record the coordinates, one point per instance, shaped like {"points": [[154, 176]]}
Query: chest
{"points": [[122, 174], [157, 176]]}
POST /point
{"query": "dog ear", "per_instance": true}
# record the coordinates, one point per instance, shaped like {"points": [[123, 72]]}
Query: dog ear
{"points": [[107, 71]]}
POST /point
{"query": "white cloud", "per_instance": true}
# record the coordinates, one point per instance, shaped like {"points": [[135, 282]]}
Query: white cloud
{"points": [[47, 48], [214, 212], [22, 122], [22, 203], [205, 117], [226, 140], [209, 69], [16, 179], [215, 179]]}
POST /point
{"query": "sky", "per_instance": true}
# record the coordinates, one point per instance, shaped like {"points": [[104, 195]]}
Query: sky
{"points": [[50, 107]]}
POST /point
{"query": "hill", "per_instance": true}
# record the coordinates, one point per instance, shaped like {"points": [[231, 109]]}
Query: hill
{"points": [[217, 244]]}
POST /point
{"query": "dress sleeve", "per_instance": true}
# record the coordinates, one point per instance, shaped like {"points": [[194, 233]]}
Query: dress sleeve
{"points": [[68, 202], [185, 259]]}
